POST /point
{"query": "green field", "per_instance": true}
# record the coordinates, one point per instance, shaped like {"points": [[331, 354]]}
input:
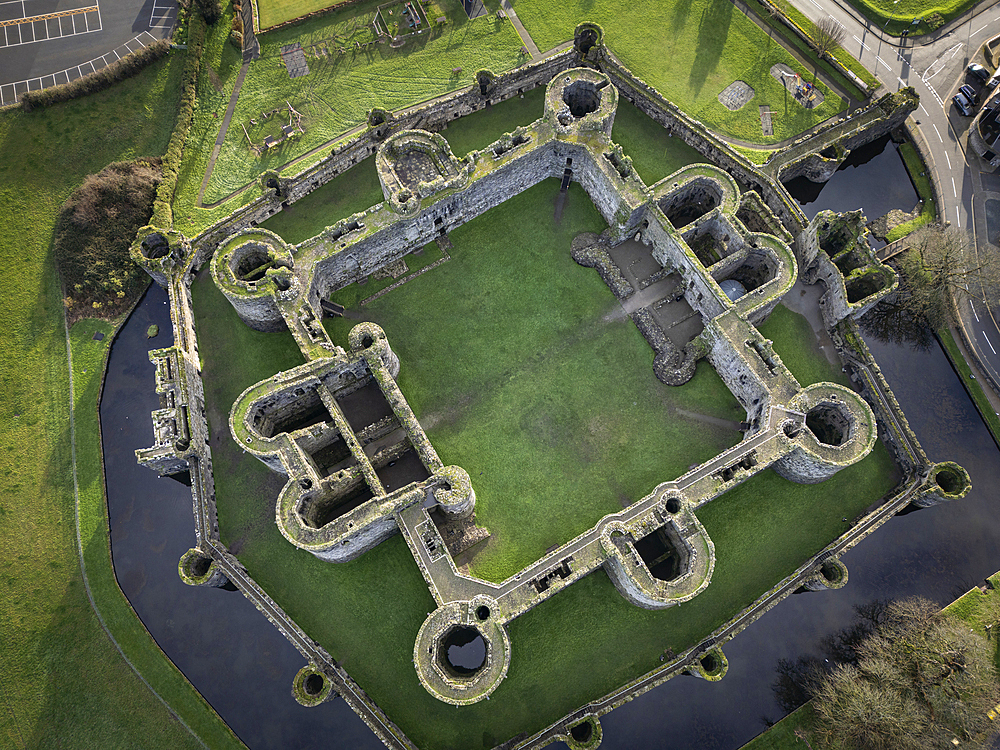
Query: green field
{"points": [[708, 44], [690, 51], [463, 379], [62, 681]]}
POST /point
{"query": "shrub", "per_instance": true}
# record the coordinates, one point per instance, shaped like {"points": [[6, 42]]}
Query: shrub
{"points": [[99, 80], [94, 231], [211, 10]]}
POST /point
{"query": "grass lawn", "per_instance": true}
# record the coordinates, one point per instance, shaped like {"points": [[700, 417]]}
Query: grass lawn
{"points": [[569, 649], [795, 343], [273, 12], [355, 190], [689, 51], [972, 385], [903, 12], [63, 682], [542, 390], [340, 89]]}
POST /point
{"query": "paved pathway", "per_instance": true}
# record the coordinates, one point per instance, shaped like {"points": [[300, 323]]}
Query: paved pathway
{"points": [[529, 43]]}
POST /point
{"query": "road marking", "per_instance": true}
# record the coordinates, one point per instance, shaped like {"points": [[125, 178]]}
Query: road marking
{"points": [[953, 188], [958, 217], [901, 81], [883, 62], [865, 46], [925, 111], [938, 64], [974, 310], [949, 162], [978, 30], [988, 341], [938, 132]]}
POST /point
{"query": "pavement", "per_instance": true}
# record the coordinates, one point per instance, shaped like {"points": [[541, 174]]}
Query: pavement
{"points": [[46, 42], [935, 66]]}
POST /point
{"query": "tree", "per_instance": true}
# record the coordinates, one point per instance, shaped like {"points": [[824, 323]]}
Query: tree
{"points": [[943, 268], [830, 34], [922, 680]]}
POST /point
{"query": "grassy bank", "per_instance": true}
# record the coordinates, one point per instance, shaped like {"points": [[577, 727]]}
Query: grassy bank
{"points": [[977, 608], [972, 386], [64, 684], [896, 16], [464, 378], [922, 183]]}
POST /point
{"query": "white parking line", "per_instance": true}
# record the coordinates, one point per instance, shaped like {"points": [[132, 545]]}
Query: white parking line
{"points": [[974, 310], [988, 341], [938, 132], [10, 92]]}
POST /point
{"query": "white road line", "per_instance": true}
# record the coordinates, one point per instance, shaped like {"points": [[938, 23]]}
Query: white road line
{"points": [[988, 341], [925, 111], [883, 62], [974, 310], [958, 217], [949, 162], [901, 81], [938, 132], [953, 188], [980, 29], [865, 46]]}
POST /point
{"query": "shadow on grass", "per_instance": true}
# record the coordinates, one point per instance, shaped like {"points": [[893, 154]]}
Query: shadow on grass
{"points": [[713, 30]]}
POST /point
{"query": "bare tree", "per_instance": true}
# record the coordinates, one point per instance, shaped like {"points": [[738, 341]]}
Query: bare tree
{"points": [[943, 267], [922, 680], [830, 34]]}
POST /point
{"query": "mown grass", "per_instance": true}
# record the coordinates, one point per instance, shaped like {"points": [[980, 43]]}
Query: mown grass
{"points": [[690, 51], [340, 89], [806, 24], [355, 190], [896, 17], [795, 342], [782, 736], [653, 151], [62, 680], [922, 182], [571, 648]]}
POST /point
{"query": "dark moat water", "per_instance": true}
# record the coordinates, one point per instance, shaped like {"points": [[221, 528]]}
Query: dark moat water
{"points": [[244, 668], [225, 647], [872, 178]]}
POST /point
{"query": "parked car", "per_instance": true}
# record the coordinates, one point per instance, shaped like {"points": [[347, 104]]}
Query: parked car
{"points": [[978, 72], [970, 93], [963, 103], [992, 83]]}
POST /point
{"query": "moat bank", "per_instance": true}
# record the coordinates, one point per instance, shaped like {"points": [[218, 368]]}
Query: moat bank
{"points": [[239, 661]]}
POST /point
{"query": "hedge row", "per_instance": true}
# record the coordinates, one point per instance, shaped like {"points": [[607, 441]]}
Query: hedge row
{"points": [[162, 213], [99, 80]]}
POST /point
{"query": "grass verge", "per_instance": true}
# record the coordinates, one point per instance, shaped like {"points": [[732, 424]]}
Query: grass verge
{"points": [[922, 184], [972, 385], [896, 15], [63, 682], [570, 649]]}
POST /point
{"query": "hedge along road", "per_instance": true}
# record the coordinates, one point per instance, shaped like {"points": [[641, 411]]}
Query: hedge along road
{"points": [[53, 49]]}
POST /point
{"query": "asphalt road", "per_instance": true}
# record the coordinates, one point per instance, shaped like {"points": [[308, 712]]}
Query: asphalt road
{"points": [[936, 68], [44, 42]]}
